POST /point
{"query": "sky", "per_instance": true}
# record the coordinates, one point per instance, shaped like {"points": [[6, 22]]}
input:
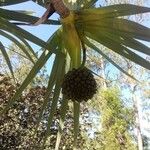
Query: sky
{"points": [[45, 31]]}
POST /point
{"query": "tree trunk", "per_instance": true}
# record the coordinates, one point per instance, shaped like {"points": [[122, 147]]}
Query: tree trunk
{"points": [[104, 83], [137, 117]]}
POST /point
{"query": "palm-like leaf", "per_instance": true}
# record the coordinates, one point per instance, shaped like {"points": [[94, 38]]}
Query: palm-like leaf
{"points": [[20, 45], [2, 48], [104, 25], [119, 35], [11, 2], [21, 17]]}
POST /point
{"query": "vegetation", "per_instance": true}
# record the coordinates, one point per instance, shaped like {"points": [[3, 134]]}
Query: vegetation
{"points": [[116, 122], [17, 126], [82, 25]]}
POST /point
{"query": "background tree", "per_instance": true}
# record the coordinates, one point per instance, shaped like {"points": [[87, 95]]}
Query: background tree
{"points": [[17, 128]]}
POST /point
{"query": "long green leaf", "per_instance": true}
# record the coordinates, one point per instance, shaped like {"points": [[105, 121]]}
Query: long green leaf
{"points": [[2, 48], [76, 123], [63, 112], [17, 16], [20, 45], [11, 2], [53, 43], [89, 44], [116, 47], [122, 25], [112, 11], [126, 40], [28, 46], [60, 71], [51, 83], [136, 45], [130, 42], [7, 26]]}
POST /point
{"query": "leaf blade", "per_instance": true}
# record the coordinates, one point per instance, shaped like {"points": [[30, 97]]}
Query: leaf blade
{"points": [[113, 11], [7, 26], [89, 44], [2, 48], [63, 112], [41, 61], [57, 90], [118, 25], [52, 80], [11, 2], [116, 47], [76, 123], [20, 45], [21, 17]]}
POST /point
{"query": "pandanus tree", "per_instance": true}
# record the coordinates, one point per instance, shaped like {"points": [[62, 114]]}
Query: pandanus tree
{"points": [[81, 23]]}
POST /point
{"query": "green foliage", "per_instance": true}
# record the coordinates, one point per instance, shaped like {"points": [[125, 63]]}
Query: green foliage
{"points": [[105, 25], [116, 123]]}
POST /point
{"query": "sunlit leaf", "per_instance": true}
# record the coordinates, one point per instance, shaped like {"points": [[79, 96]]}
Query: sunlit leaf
{"points": [[112, 11], [17, 16], [117, 25], [114, 45], [89, 4], [11, 2]]}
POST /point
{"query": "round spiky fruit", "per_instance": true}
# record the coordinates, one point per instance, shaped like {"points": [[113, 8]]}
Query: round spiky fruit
{"points": [[79, 84]]}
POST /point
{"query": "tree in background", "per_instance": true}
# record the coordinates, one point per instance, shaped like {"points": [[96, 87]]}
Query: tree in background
{"points": [[17, 127], [115, 124]]}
